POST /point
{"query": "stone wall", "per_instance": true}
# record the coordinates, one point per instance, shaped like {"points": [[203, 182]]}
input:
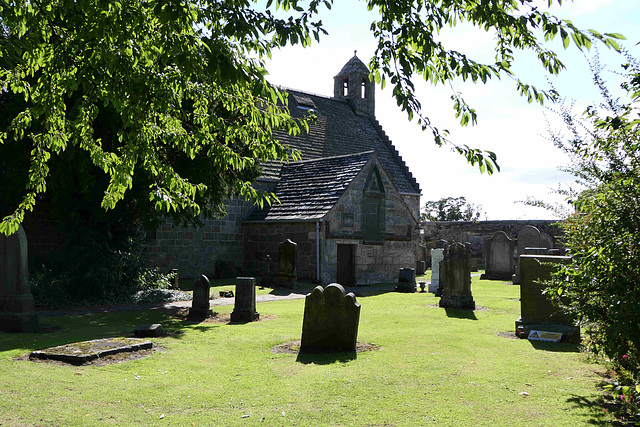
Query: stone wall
{"points": [[262, 239], [476, 232]]}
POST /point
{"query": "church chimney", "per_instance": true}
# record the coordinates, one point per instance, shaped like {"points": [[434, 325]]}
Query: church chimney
{"points": [[352, 83]]}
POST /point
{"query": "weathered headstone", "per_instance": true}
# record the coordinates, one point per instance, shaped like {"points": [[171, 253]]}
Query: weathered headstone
{"points": [[536, 311], [498, 252], [421, 267], [437, 255], [17, 309], [441, 244], [455, 278], [148, 331], [287, 271], [245, 304], [528, 237], [200, 304], [546, 241], [175, 281], [407, 280], [331, 318]]}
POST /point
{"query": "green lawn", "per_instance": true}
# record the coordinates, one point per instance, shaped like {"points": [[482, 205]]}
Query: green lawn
{"points": [[435, 368]]}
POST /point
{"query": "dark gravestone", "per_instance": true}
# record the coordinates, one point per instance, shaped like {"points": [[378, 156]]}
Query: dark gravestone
{"points": [[421, 267], [17, 309], [175, 281], [536, 311], [499, 263], [455, 278], [245, 304], [441, 244], [200, 305], [528, 237], [407, 280], [287, 271], [149, 331], [331, 318]]}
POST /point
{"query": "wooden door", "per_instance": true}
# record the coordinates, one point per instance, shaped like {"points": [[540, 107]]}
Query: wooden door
{"points": [[346, 265]]}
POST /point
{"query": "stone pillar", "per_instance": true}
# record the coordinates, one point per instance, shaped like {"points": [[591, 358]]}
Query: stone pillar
{"points": [[200, 304], [245, 304], [287, 270], [455, 280], [17, 307], [331, 318]]}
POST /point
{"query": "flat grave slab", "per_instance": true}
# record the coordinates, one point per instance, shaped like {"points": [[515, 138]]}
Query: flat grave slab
{"points": [[85, 351]]}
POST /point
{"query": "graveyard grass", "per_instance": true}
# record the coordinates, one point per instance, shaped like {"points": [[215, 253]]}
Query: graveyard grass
{"points": [[449, 368]]}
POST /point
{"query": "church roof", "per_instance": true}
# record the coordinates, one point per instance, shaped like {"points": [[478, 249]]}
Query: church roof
{"points": [[354, 65], [339, 131], [307, 190]]}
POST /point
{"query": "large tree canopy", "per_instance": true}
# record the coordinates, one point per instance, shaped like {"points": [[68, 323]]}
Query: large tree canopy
{"points": [[183, 81]]}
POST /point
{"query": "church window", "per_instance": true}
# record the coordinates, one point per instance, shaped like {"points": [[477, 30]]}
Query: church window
{"points": [[374, 209]]}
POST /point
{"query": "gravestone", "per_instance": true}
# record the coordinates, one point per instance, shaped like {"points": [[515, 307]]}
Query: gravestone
{"points": [[455, 278], [245, 304], [536, 310], [17, 308], [499, 263], [546, 241], [331, 318], [407, 280], [200, 304], [287, 271], [528, 237], [421, 267], [441, 244], [175, 281], [437, 255]]}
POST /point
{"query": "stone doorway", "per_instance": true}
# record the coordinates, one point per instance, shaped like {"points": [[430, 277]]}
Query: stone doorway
{"points": [[346, 265]]}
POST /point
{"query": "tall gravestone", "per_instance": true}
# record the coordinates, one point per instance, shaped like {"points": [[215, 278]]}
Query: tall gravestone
{"points": [[331, 318], [287, 272], [407, 280], [536, 310], [200, 308], [17, 308], [528, 237], [498, 252], [437, 255], [455, 278], [421, 268], [245, 304]]}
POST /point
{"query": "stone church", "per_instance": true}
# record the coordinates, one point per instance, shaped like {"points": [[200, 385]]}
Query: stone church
{"points": [[351, 204]]}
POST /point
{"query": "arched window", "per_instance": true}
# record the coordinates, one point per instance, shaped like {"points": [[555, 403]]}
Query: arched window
{"points": [[373, 208]]}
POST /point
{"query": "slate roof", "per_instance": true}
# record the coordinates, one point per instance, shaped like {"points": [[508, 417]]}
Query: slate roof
{"points": [[309, 189], [340, 131]]}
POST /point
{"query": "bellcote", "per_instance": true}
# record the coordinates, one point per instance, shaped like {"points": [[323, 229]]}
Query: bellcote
{"points": [[352, 83]]}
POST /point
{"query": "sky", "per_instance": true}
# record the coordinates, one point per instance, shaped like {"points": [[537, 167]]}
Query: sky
{"points": [[507, 124]]}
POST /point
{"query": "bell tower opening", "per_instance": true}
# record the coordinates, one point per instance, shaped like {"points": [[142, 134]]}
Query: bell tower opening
{"points": [[353, 84]]}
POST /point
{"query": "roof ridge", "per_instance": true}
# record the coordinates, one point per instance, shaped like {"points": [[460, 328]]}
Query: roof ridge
{"points": [[318, 159]]}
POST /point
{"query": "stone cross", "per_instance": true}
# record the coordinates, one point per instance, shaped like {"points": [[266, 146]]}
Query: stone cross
{"points": [[17, 308], [200, 303], [331, 318], [245, 304], [287, 271], [455, 278]]}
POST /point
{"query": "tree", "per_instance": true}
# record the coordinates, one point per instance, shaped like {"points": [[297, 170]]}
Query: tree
{"points": [[184, 83], [600, 285], [450, 209]]}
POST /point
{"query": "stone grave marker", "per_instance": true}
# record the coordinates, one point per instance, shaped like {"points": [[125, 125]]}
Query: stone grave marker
{"points": [[536, 311], [331, 318], [407, 280], [17, 308], [245, 304], [546, 241], [455, 278], [441, 244], [421, 267], [437, 255], [200, 308], [175, 282], [287, 272], [528, 237], [499, 263]]}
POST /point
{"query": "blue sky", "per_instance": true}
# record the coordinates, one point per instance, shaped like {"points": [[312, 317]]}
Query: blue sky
{"points": [[507, 124]]}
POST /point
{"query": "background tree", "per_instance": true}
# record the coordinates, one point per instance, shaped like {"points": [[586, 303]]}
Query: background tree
{"points": [[450, 209], [600, 286]]}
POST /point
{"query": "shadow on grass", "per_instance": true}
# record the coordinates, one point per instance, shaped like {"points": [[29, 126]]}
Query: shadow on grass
{"points": [[558, 347], [461, 314], [62, 330], [326, 358], [596, 411]]}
